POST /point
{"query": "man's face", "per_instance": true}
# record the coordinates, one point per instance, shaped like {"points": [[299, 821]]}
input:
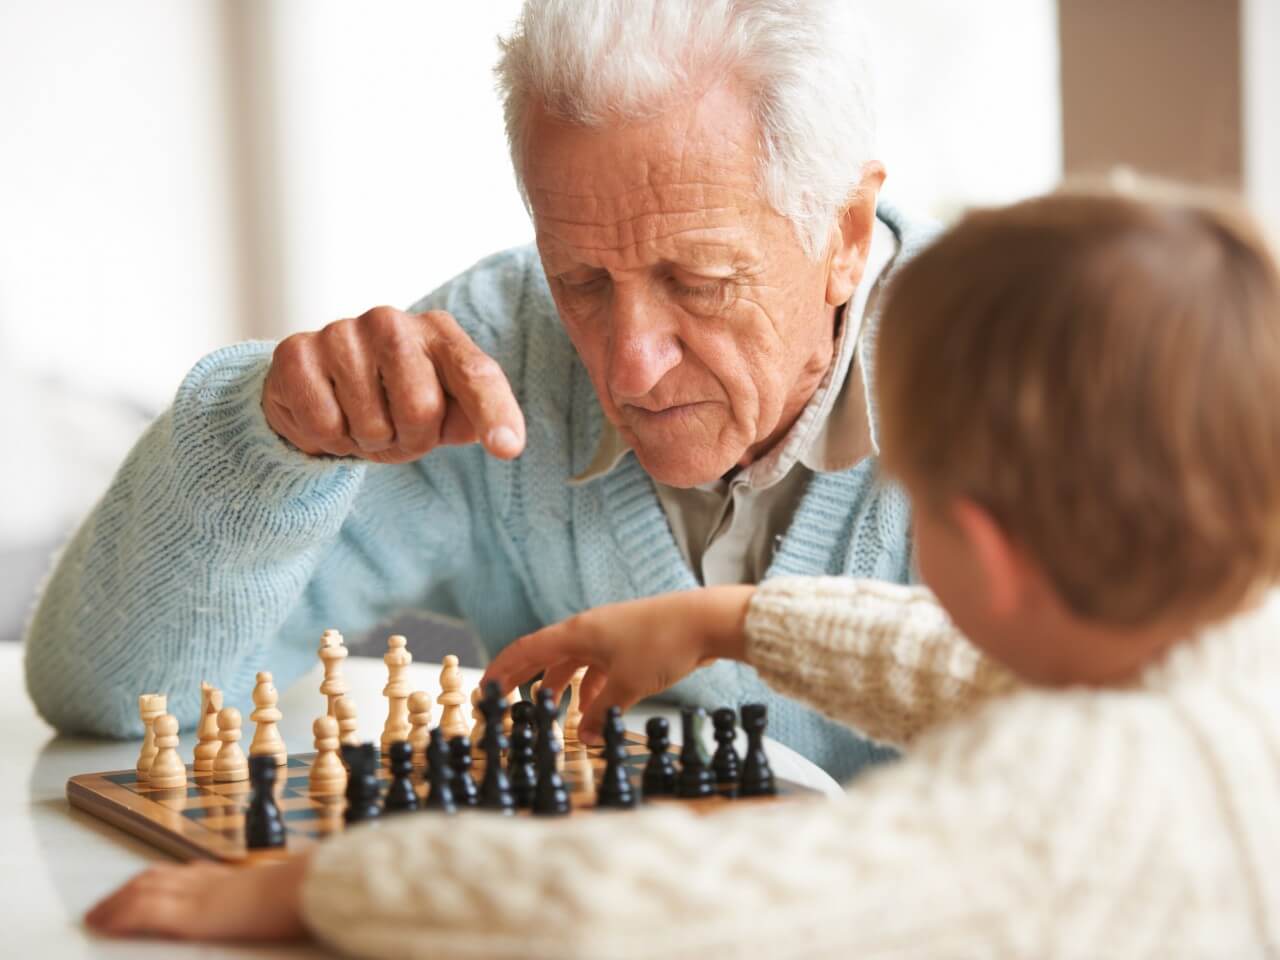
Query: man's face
{"points": [[703, 325]]}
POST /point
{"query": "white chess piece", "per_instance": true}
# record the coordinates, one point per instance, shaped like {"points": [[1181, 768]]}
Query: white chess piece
{"points": [[507, 722], [230, 764], [207, 742], [328, 775], [396, 691], [150, 706], [555, 724], [573, 715], [453, 721], [348, 724], [332, 652], [266, 735], [420, 725], [167, 769], [477, 720]]}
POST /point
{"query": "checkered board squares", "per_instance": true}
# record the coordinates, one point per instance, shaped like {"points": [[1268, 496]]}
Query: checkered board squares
{"points": [[205, 820]]}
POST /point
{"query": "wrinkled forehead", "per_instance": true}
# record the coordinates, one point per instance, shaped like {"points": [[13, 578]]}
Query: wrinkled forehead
{"points": [[687, 180]]}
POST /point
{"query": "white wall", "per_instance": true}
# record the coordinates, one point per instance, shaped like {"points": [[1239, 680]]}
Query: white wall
{"points": [[1261, 48], [970, 100], [115, 267], [393, 170]]}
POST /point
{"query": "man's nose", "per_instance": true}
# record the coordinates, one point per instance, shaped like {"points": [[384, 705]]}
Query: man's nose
{"points": [[643, 345]]}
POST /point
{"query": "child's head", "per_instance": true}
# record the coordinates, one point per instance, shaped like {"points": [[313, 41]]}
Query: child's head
{"points": [[1081, 393]]}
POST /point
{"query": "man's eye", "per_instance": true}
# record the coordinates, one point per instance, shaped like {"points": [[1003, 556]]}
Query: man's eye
{"points": [[702, 291], [589, 285]]}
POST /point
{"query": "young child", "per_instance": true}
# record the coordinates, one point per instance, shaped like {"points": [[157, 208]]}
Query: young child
{"points": [[1082, 395]]}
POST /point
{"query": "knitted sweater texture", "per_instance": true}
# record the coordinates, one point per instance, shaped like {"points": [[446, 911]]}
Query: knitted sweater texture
{"points": [[1127, 823], [219, 550]]}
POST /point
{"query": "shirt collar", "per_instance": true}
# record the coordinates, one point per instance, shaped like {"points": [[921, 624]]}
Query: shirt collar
{"points": [[833, 431]]}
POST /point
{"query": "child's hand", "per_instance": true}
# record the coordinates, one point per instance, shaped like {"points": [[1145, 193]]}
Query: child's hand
{"points": [[207, 901], [633, 650]]}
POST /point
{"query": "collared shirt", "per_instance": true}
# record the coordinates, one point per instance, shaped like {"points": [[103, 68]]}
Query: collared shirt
{"points": [[727, 529]]}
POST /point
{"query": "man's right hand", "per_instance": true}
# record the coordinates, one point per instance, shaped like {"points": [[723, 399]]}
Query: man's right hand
{"points": [[390, 386]]}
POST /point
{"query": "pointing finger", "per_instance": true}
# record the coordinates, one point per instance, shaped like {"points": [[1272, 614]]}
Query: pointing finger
{"points": [[477, 383]]}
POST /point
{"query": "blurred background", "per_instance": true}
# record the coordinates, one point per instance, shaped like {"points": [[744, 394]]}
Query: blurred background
{"points": [[179, 175]]}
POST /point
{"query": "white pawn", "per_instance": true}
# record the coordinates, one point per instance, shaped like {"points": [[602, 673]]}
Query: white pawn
{"points": [[396, 691], [573, 715], [266, 735], [150, 707], [453, 721], [230, 765], [328, 775], [420, 725], [207, 742], [555, 724], [507, 722], [167, 769], [348, 724], [332, 652], [477, 720]]}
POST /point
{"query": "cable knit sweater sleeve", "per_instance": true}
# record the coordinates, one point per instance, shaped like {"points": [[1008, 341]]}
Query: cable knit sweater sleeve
{"points": [[913, 859], [879, 657]]}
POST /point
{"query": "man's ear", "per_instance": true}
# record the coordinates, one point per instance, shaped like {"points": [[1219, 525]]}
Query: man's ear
{"points": [[999, 561], [852, 240]]}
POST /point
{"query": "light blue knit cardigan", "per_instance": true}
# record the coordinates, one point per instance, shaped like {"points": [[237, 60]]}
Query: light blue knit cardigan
{"points": [[219, 550]]}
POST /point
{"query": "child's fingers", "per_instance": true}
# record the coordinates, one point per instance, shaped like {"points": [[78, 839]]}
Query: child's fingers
{"points": [[136, 910], [557, 676], [617, 691], [535, 652]]}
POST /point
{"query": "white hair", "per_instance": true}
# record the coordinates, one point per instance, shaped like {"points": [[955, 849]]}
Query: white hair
{"points": [[596, 62]]}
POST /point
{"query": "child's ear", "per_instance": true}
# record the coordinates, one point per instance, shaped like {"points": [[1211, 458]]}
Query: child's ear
{"points": [[853, 239], [998, 559]]}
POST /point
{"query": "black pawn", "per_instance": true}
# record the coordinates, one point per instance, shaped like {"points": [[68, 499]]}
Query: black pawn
{"points": [[263, 825], [495, 791], [550, 799], [757, 776], [616, 789], [440, 791], [520, 755], [465, 791], [725, 761], [362, 783], [660, 771], [695, 779], [400, 794]]}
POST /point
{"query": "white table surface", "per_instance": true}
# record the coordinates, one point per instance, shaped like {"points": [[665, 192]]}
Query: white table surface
{"points": [[56, 862]]}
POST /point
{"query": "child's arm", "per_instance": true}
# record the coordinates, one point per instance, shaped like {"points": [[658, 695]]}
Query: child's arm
{"points": [[882, 658]]}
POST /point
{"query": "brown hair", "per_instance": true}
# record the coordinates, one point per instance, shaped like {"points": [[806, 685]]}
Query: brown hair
{"points": [[1102, 374]]}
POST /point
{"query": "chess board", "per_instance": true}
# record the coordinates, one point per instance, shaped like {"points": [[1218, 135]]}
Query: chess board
{"points": [[205, 820]]}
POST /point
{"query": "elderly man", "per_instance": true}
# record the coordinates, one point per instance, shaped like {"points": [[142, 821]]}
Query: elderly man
{"points": [[669, 389]]}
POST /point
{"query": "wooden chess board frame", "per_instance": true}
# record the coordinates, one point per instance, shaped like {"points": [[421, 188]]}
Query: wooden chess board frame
{"points": [[205, 820]]}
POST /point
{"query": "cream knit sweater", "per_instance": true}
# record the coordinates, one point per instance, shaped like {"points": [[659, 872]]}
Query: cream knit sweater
{"points": [[1142, 822]]}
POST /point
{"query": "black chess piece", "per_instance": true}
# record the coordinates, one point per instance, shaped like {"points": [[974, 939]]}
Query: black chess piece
{"points": [[495, 790], [660, 772], [362, 783], [725, 761], [520, 754], [400, 794], [465, 791], [550, 799], [263, 825], [757, 775], [695, 779], [439, 775], [615, 789]]}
